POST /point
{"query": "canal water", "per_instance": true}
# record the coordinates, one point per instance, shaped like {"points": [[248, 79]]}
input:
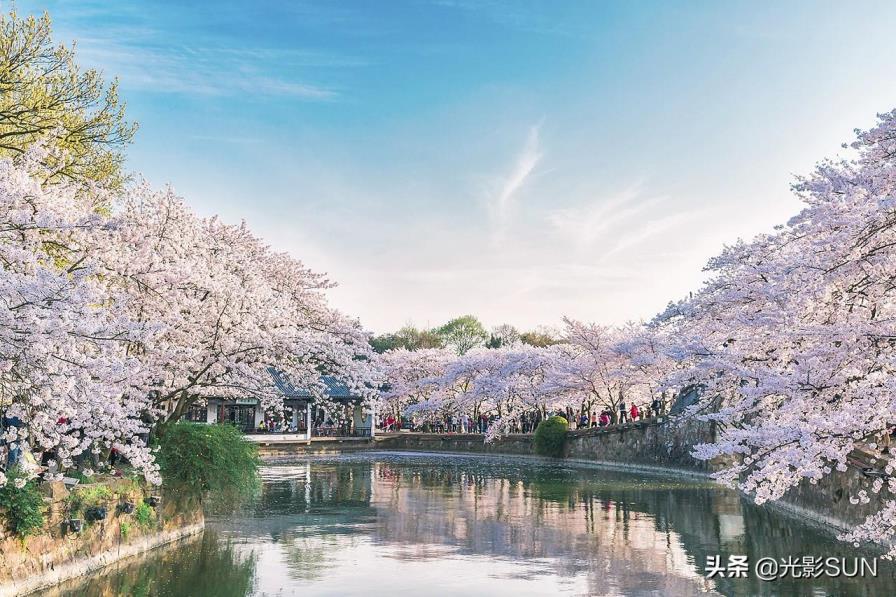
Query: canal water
{"points": [[425, 524]]}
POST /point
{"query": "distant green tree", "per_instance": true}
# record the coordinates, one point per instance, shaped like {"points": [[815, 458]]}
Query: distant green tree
{"points": [[408, 337], [414, 339], [384, 343], [503, 335], [540, 339], [463, 333]]}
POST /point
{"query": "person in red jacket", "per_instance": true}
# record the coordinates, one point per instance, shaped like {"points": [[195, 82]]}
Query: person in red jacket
{"points": [[634, 412]]}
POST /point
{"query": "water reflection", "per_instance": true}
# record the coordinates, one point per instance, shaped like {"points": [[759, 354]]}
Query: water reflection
{"points": [[204, 561], [376, 524]]}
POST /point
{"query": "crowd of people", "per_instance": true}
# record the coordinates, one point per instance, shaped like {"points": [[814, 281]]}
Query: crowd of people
{"points": [[447, 424], [626, 414], [527, 423]]}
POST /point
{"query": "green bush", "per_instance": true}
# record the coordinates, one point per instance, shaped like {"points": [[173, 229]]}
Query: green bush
{"points": [[550, 437], [203, 459], [87, 496], [23, 506], [144, 515]]}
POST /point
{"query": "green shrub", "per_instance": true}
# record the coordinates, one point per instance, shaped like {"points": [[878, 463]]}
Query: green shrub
{"points": [[550, 437], [144, 515], [203, 459], [125, 528], [86, 496], [23, 506]]}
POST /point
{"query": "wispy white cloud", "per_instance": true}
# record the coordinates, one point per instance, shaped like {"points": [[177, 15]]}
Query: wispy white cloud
{"points": [[651, 228], [589, 224], [504, 201], [207, 70]]}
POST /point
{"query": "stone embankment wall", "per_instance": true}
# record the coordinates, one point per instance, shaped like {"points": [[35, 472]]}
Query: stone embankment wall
{"points": [[59, 553], [472, 443], [271, 451], [654, 443], [827, 501]]}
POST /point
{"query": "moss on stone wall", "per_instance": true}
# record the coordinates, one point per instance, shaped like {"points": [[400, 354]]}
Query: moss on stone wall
{"points": [[63, 542]]}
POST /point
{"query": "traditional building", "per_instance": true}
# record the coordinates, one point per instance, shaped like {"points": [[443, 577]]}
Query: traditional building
{"points": [[304, 415]]}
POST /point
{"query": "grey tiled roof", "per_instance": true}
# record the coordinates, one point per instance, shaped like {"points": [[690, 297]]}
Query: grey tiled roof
{"points": [[333, 388]]}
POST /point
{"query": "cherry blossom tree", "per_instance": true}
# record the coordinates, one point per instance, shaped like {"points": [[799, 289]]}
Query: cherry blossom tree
{"points": [[406, 372], [793, 337], [226, 309], [115, 321], [588, 367], [505, 383], [646, 364], [63, 374]]}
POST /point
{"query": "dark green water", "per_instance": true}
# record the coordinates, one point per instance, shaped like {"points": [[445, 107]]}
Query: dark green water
{"points": [[377, 524]]}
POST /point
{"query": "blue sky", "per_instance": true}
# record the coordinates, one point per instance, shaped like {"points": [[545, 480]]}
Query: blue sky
{"points": [[516, 160]]}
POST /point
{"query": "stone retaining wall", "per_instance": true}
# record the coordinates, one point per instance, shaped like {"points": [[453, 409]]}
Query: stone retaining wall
{"points": [[277, 450], [827, 501], [58, 553], [653, 443]]}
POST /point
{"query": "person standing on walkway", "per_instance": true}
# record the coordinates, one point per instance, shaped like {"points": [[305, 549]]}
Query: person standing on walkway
{"points": [[623, 413], [634, 412]]}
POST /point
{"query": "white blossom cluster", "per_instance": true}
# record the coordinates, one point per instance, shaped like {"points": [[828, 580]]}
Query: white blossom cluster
{"points": [[121, 311], [593, 368]]}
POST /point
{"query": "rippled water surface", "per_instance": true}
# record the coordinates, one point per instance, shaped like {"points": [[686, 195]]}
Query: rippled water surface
{"points": [[386, 523]]}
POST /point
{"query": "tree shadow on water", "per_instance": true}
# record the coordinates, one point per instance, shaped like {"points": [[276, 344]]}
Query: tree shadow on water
{"points": [[204, 566]]}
